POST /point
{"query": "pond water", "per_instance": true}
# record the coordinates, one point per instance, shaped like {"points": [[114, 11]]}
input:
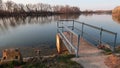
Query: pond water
{"points": [[105, 21], [31, 32]]}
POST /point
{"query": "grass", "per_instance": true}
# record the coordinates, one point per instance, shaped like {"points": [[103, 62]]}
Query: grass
{"points": [[107, 51], [65, 62], [35, 65]]}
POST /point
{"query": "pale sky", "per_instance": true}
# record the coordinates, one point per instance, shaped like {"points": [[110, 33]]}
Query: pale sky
{"points": [[82, 4]]}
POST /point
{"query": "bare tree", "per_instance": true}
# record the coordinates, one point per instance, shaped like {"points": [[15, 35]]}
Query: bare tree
{"points": [[22, 9], [9, 5], [16, 8], [39, 8], [1, 4], [116, 10]]}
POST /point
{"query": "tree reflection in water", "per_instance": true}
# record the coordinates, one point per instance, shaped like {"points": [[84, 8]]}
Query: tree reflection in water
{"points": [[116, 18], [12, 22]]}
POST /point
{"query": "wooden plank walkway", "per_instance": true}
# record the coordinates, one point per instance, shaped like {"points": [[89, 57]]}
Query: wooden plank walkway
{"points": [[89, 55]]}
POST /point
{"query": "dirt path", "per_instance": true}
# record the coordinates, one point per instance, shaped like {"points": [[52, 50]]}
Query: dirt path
{"points": [[90, 56]]}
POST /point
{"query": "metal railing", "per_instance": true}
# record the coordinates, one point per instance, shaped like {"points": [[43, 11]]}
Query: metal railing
{"points": [[66, 40], [101, 30], [81, 30]]}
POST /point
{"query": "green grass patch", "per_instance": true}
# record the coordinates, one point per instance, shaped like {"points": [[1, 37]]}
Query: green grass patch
{"points": [[107, 51], [66, 59]]}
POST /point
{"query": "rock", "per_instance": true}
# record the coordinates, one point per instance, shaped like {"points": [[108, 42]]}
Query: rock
{"points": [[11, 55], [37, 52], [101, 46], [104, 46], [27, 59]]}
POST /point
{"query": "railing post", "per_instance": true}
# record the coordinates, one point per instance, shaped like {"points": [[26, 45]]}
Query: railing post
{"points": [[62, 27], [115, 40], [78, 40], [73, 25], [71, 40], [57, 24], [82, 29], [57, 27], [100, 36]]}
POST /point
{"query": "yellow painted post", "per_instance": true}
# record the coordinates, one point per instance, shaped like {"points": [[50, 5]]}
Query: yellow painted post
{"points": [[58, 43]]}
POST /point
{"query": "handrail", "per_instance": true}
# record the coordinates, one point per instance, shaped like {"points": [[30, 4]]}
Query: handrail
{"points": [[70, 30], [67, 40], [75, 48], [95, 39], [92, 26], [91, 36], [96, 27], [65, 44]]}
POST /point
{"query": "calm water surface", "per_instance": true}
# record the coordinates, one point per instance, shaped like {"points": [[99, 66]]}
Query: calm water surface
{"points": [[104, 21], [30, 32]]}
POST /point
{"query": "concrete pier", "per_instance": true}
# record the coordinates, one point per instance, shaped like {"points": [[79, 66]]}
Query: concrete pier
{"points": [[89, 55]]}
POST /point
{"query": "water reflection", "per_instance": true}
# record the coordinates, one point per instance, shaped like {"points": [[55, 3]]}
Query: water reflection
{"points": [[75, 16], [8, 22], [92, 14], [116, 18], [29, 32]]}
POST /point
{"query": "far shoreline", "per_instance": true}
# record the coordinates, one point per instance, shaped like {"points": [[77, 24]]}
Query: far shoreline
{"points": [[44, 14]]}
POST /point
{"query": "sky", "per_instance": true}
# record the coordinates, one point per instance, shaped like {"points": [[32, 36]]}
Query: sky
{"points": [[82, 4]]}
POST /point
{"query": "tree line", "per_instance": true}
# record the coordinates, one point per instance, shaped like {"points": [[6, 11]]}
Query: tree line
{"points": [[11, 8], [116, 11], [116, 14]]}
